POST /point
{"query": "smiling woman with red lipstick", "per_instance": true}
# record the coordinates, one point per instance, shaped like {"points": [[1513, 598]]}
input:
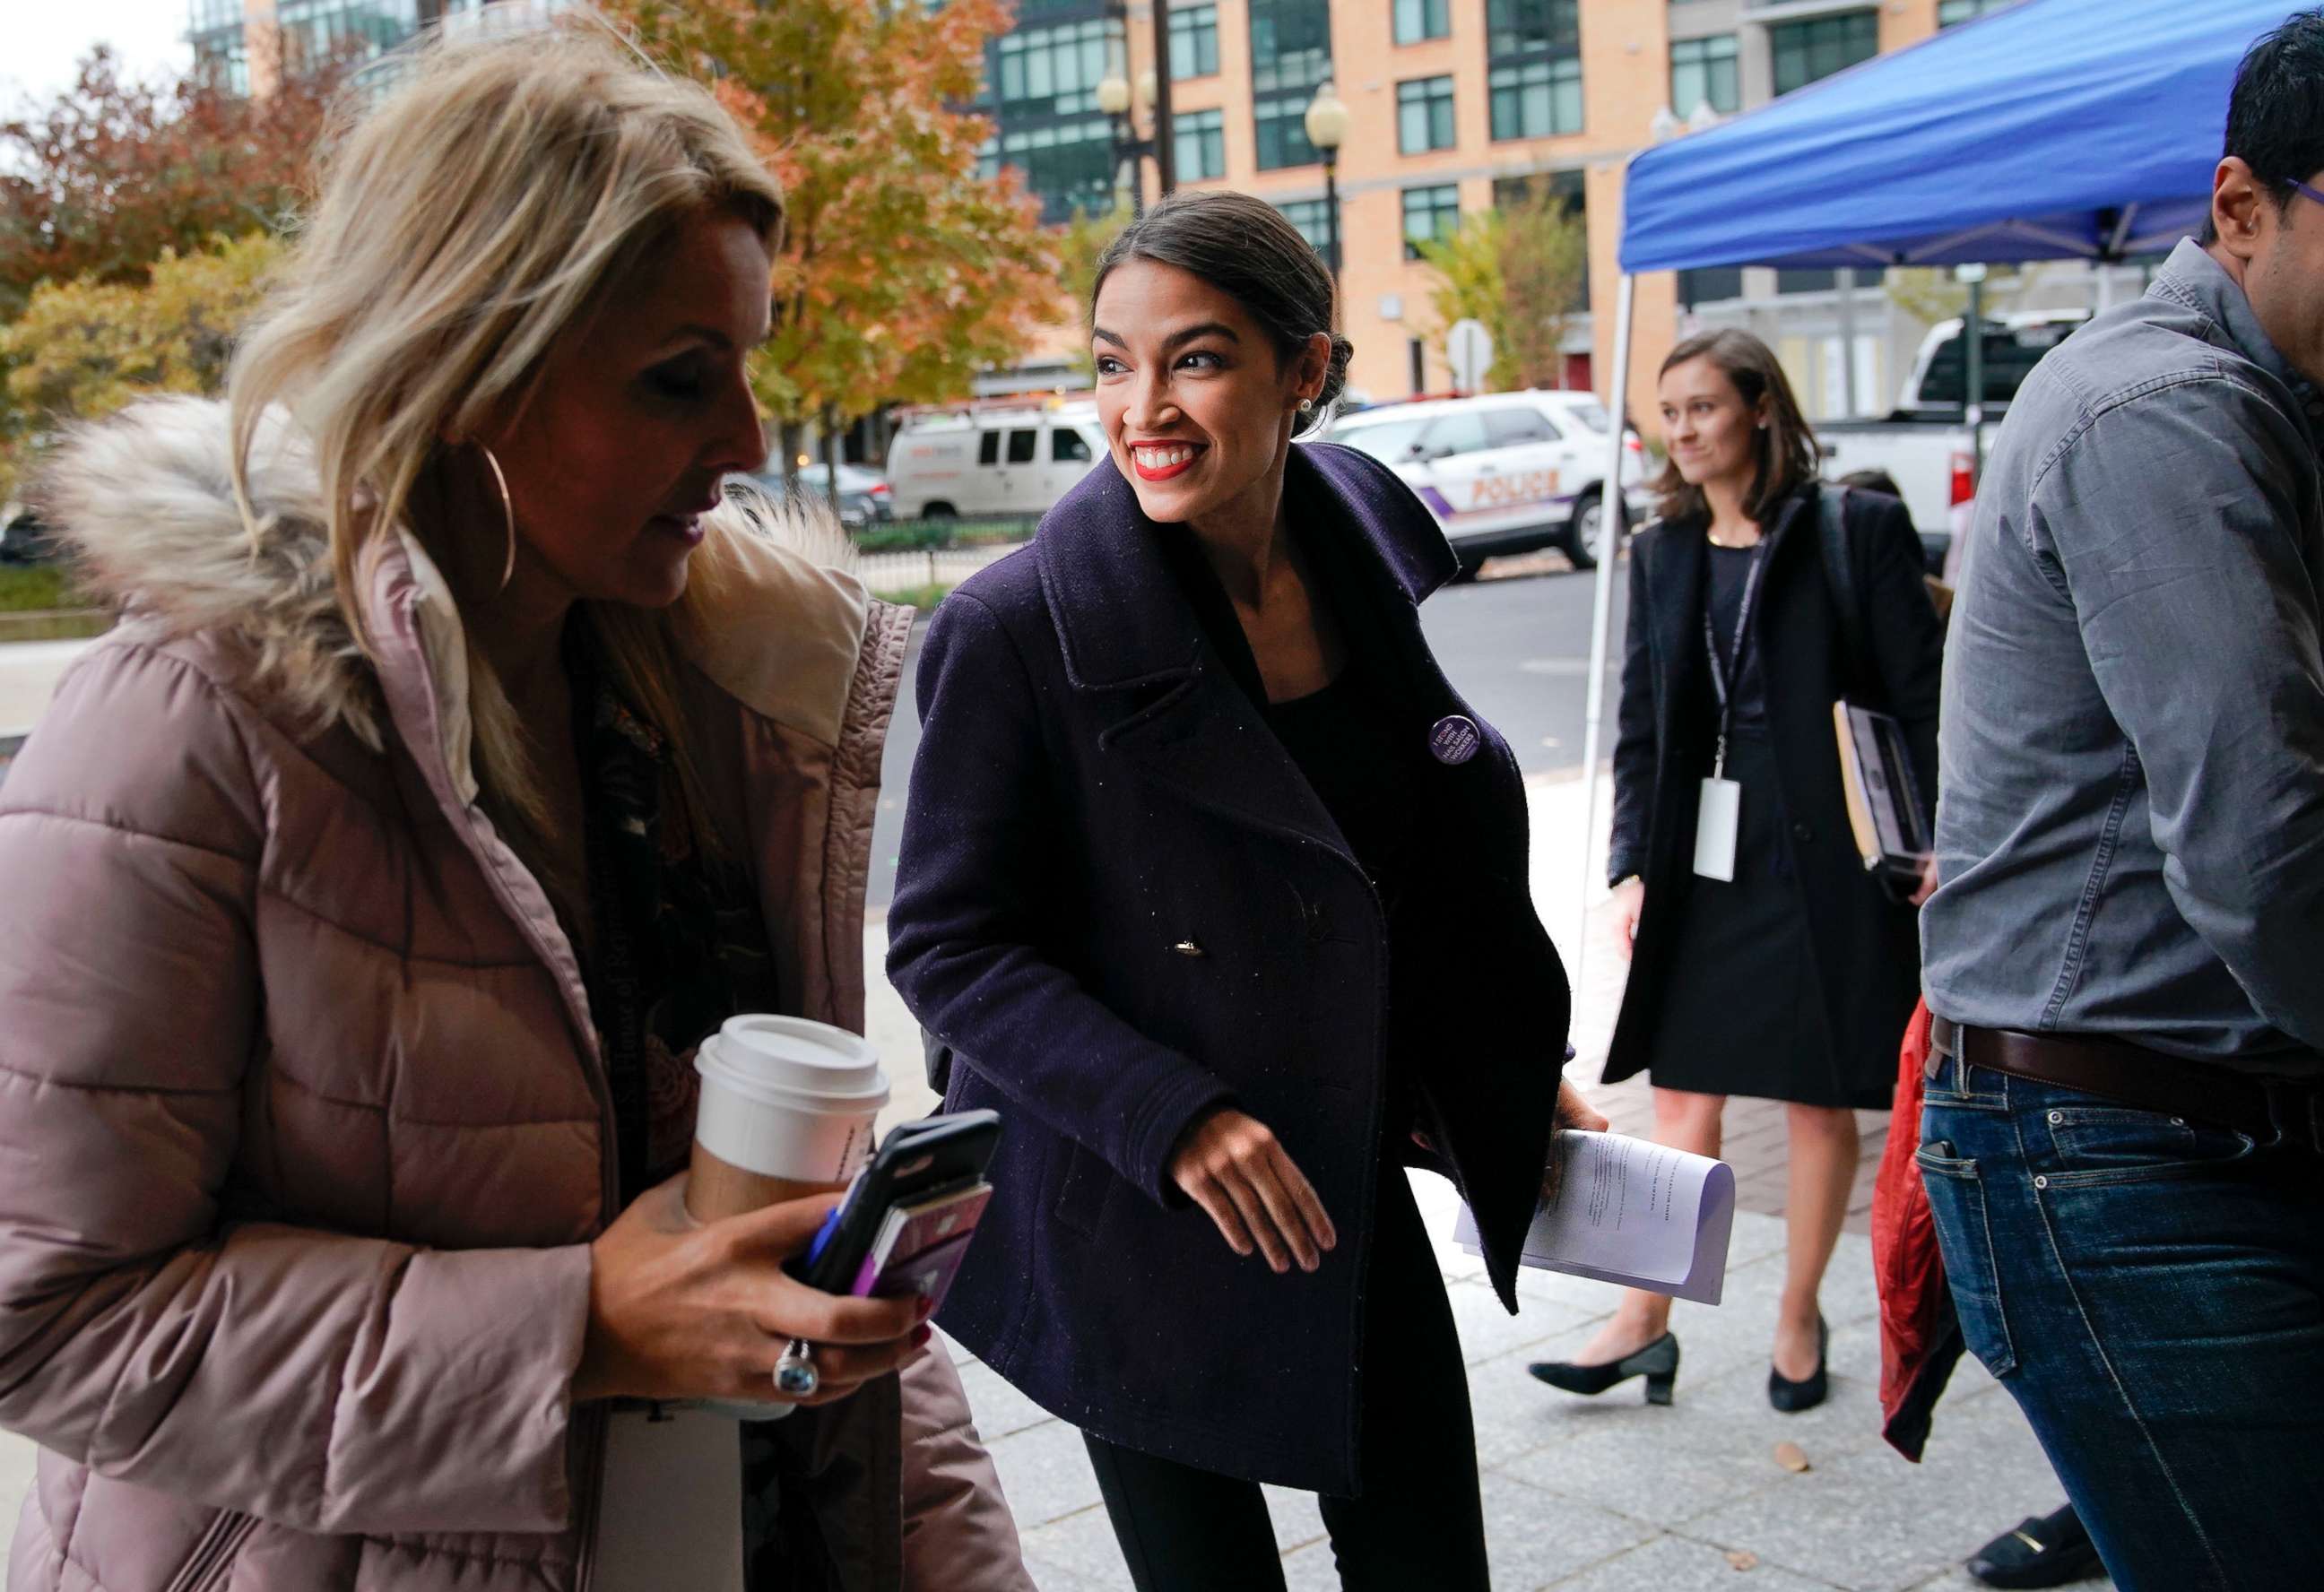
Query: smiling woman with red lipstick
{"points": [[1212, 881]]}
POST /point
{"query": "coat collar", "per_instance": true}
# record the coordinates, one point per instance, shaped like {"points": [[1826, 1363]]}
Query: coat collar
{"points": [[2192, 277], [1120, 617]]}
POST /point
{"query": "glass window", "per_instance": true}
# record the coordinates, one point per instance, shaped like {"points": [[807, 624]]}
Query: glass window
{"points": [[217, 13], [315, 29], [1068, 164], [1068, 446], [1822, 279], [1433, 212], [1517, 428], [1312, 220], [988, 448], [1290, 44], [1539, 99], [1023, 446], [1054, 70], [1199, 138], [1389, 441], [2010, 355], [1282, 128], [1525, 27], [1949, 12], [1806, 51], [1460, 433], [1193, 42], [1423, 19], [1423, 115], [1710, 285], [1703, 70]]}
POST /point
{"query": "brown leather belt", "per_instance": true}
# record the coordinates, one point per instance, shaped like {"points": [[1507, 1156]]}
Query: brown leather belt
{"points": [[2273, 1111]]}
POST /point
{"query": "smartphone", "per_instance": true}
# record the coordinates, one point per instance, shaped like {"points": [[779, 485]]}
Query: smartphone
{"points": [[922, 1192]]}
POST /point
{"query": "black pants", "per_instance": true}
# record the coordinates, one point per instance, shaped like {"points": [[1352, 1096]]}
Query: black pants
{"points": [[1419, 1523]]}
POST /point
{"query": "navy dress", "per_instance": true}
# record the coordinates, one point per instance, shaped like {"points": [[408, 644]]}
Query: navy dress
{"points": [[1752, 1023]]}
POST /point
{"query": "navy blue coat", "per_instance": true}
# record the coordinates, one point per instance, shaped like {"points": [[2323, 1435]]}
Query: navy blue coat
{"points": [[1094, 790]]}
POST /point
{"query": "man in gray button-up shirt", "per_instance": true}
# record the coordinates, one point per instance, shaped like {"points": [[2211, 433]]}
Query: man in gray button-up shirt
{"points": [[2130, 833], [2130, 929]]}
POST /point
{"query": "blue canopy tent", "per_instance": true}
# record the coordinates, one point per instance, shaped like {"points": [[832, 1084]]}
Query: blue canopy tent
{"points": [[2051, 129]]}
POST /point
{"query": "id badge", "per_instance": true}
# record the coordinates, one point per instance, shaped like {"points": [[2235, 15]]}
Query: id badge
{"points": [[1717, 818]]}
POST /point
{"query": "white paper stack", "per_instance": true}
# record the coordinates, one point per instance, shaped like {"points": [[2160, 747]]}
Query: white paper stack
{"points": [[1632, 1213]]}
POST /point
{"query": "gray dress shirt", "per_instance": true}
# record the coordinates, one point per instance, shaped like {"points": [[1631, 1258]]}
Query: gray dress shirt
{"points": [[2130, 816]]}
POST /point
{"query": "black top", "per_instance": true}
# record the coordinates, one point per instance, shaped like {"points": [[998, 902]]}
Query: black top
{"points": [[1367, 769], [1731, 569]]}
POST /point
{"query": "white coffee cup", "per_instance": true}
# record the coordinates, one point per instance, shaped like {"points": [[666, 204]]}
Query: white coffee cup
{"points": [[786, 1109]]}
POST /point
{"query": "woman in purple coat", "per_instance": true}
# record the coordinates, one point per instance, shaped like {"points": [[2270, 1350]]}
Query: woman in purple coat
{"points": [[1217, 888]]}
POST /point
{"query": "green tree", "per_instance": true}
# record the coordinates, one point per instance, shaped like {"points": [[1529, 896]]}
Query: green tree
{"points": [[1518, 271], [1472, 284], [84, 349], [1544, 269], [1081, 242]]}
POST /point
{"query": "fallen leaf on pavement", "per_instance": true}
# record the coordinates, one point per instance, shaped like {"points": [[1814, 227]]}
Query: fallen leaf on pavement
{"points": [[1792, 1457], [1742, 1559]]}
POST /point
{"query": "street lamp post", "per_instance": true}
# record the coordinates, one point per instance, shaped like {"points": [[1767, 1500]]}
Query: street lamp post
{"points": [[1113, 101], [1327, 124]]}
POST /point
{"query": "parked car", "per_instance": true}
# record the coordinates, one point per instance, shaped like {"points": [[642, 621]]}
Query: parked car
{"points": [[864, 497], [1507, 473], [1016, 458], [24, 539], [1923, 445]]}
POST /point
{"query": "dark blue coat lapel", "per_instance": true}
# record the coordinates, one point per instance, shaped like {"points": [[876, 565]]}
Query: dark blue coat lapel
{"points": [[1125, 627]]}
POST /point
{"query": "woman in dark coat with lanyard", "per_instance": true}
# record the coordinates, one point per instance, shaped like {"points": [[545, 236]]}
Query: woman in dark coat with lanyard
{"points": [[1214, 887], [1792, 977]]}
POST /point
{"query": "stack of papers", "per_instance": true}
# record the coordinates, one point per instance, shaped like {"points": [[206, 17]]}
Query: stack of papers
{"points": [[1632, 1213]]}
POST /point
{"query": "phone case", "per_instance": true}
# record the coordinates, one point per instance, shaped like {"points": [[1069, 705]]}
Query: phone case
{"points": [[921, 1247]]}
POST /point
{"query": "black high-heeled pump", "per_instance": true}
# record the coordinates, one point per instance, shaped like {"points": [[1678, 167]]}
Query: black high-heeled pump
{"points": [[1792, 1397], [1657, 1363]]}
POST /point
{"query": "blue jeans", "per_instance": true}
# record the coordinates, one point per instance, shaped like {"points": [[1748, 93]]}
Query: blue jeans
{"points": [[2151, 1291]]}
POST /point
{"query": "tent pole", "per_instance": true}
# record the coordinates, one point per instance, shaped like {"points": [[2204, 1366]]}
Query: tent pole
{"points": [[1614, 516]]}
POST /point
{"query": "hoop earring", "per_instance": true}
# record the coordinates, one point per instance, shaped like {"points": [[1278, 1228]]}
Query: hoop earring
{"points": [[508, 517], [1307, 406]]}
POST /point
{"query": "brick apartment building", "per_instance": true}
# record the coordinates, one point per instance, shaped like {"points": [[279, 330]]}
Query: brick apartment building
{"points": [[1453, 104]]}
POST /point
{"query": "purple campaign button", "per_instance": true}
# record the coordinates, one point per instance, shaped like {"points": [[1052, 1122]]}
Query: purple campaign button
{"points": [[1455, 739]]}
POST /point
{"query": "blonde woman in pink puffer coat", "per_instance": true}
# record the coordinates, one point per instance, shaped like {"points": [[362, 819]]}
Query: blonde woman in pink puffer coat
{"points": [[332, 1232]]}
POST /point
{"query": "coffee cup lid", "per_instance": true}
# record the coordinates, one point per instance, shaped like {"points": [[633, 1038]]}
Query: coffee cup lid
{"points": [[793, 1057]]}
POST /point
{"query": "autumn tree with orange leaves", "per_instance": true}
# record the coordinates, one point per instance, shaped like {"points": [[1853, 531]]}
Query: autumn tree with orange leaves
{"points": [[110, 179], [903, 270]]}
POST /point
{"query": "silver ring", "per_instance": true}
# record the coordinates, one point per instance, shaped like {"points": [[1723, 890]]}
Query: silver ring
{"points": [[794, 1374]]}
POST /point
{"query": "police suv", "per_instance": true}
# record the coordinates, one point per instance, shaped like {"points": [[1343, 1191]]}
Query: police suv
{"points": [[1507, 473]]}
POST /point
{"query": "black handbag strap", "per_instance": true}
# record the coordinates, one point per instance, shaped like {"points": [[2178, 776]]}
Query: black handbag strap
{"points": [[1839, 576]]}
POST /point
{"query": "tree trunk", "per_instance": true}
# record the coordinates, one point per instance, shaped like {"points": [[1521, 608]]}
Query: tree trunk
{"points": [[830, 420], [788, 436]]}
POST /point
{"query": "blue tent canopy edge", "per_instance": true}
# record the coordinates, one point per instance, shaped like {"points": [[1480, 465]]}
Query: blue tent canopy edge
{"points": [[2053, 129]]}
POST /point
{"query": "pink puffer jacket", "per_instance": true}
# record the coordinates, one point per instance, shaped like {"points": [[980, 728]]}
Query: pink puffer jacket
{"points": [[303, 1131]]}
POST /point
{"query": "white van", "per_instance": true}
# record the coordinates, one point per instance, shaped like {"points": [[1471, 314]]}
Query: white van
{"points": [[1014, 460], [1507, 473]]}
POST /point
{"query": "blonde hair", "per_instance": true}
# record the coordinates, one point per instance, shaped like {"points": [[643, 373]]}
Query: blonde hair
{"points": [[464, 223]]}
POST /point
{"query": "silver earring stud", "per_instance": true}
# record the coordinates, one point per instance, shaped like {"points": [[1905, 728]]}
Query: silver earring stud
{"points": [[1307, 406]]}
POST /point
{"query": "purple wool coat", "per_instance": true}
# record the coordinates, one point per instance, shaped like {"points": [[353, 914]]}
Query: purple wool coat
{"points": [[1095, 794]]}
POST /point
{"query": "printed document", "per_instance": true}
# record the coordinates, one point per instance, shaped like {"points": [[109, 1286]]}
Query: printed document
{"points": [[1632, 1213]]}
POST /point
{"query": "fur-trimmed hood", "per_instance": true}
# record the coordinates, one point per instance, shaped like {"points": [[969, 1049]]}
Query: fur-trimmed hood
{"points": [[145, 502]]}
